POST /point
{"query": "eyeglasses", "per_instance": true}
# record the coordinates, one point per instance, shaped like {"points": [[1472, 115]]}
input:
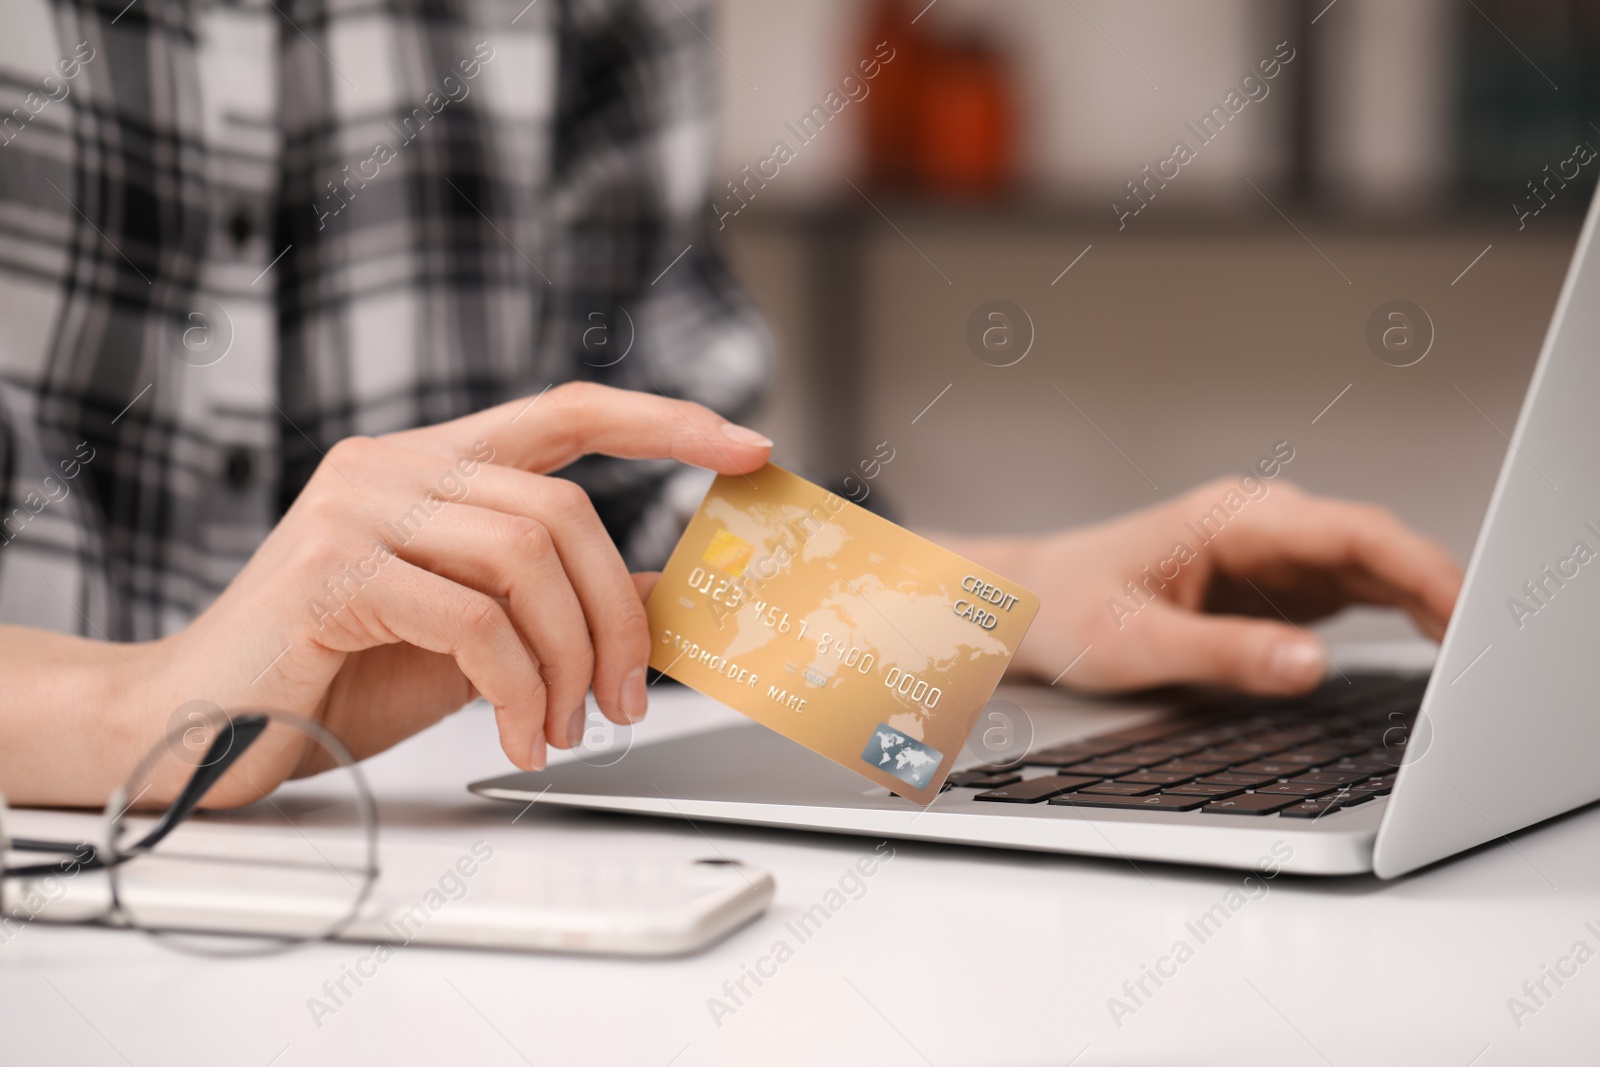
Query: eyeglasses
{"points": [[276, 870]]}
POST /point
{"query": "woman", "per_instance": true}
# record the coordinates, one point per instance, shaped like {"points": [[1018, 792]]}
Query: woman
{"points": [[303, 308]]}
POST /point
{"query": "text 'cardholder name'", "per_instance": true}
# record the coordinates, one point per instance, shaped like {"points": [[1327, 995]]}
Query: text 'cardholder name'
{"points": [[835, 627]]}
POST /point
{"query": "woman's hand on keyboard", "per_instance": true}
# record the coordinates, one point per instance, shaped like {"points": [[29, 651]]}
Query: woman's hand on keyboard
{"points": [[1213, 586]]}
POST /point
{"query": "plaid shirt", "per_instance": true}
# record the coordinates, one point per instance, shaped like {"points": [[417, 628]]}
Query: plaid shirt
{"points": [[234, 232]]}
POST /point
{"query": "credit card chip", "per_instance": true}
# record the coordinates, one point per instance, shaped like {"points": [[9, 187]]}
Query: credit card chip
{"points": [[727, 553]]}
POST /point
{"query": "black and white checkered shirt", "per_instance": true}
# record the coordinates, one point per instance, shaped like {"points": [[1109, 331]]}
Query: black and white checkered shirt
{"points": [[233, 232]]}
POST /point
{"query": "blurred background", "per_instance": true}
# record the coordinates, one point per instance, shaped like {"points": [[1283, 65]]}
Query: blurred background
{"points": [[1169, 316]]}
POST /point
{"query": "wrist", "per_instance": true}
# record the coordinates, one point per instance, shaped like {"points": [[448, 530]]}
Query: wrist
{"points": [[78, 714], [113, 710], [1009, 557]]}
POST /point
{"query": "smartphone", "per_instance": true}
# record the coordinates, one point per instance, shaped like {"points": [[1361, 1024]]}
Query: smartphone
{"points": [[523, 899], [244, 882]]}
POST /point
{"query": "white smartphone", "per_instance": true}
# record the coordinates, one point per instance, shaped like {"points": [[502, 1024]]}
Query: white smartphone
{"points": [[524, 900], [247, 881]]}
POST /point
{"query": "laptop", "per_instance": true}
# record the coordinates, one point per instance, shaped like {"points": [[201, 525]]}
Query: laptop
{"points": [[1379, 771]]}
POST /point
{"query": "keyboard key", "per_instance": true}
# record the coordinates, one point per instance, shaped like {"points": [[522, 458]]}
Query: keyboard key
{"points": [[1055, 759], [1331, 802], [1157, 802], [1309, 809], [1248, 781], [1296, 789], [1200, 789], [1155, 753], [1086, 748], [1156, 778], [1230, 755], [1331, 750], [1121, 789], [1250, 804], [982, 779], [1250, 748], [1210, 737], [1301, 759], [1190, 767], [1358, 766], [1102, 768], [1380, 715], [1327, 777], [1272, 767], [1035, 789], [1348, 795], [1290, 735]]}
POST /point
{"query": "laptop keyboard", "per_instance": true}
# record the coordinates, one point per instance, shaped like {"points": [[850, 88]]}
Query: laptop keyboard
{"points": [[1300, 757]]}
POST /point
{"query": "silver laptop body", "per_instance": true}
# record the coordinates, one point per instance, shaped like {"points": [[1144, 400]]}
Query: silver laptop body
{"points": [[1507, 735]]}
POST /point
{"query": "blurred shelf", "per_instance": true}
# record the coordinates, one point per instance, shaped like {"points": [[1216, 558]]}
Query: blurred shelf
{"points": [[1032, 214]]}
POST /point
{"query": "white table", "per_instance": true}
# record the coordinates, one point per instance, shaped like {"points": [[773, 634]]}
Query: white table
{"points": [[952, 956]]}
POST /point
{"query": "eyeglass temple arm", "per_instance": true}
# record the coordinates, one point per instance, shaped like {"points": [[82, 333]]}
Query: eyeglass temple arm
{"points": [[233, 740]]}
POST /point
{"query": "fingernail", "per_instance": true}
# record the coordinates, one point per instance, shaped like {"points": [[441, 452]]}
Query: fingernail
{"points": [[1297, 661], [634, 696], [575, 725], [745, 436], [539, 753]]}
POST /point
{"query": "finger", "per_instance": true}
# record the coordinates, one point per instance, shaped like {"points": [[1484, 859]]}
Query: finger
{"points": [[1253, 655], [1408, 570], [403, 602], [611, 625], [1365, 588], [613, 612], [514, 558], [645, 583], [549, 431]]}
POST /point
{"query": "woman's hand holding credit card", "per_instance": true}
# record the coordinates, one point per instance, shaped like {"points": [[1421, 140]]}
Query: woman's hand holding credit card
{"points": [[833, 626]]}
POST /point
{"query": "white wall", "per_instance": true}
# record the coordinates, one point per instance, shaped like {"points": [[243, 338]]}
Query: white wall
{"points": [[793, 53]]}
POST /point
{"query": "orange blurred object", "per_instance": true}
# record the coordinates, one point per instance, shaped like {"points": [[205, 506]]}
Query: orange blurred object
{"points": [[966, 135], [892, 110], [941, 118]]}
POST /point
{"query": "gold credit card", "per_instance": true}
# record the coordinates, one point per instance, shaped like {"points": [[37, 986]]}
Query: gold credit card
{"points": [[835, 627]]}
